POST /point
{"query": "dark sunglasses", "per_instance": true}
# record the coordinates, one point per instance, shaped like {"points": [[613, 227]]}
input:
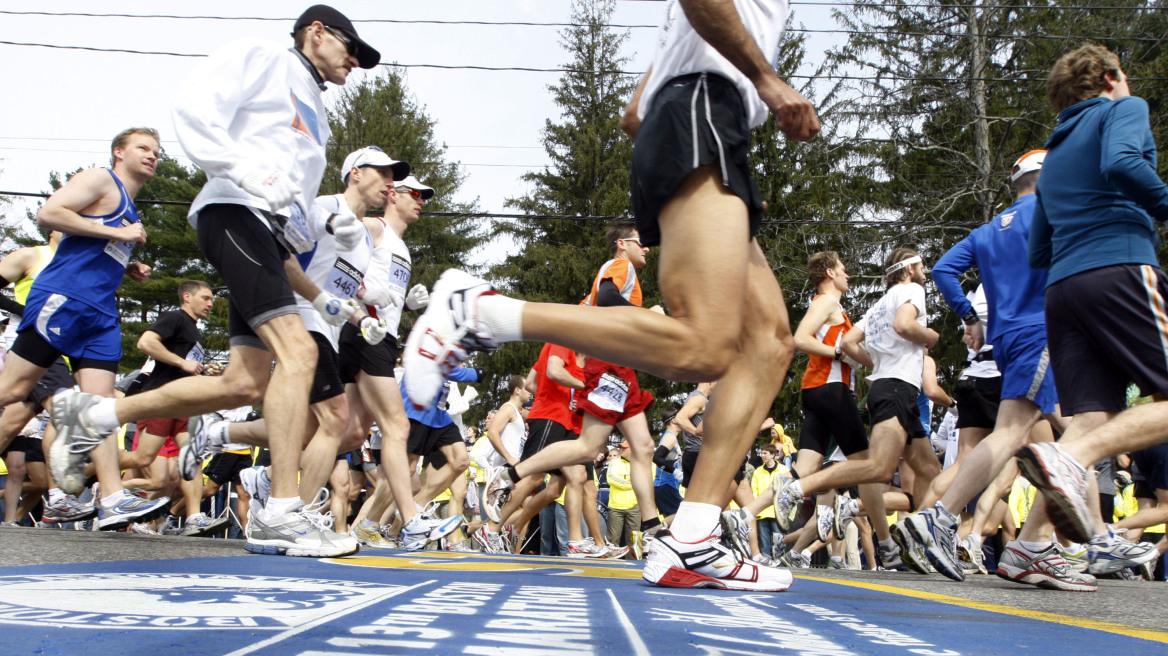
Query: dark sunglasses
{"points": [[350, 45]]}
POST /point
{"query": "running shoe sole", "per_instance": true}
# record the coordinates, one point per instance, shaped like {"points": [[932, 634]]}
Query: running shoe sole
{"points": [[1045, 581], [1059, 506], [909, 557], [284, 548], [217, 525]]}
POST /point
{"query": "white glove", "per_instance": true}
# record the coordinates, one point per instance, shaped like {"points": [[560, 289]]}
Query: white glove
{"points": [[272, 185], [373, 330], [333, 310], [381, 297], [348, 229], [850, 361], [417, 298]]}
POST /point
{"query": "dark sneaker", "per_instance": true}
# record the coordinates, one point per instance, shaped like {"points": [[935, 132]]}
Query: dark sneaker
{"points": [[707, 564], [1046, 569]]}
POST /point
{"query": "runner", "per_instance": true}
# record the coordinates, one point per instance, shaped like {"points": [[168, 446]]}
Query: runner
{"points": [[233, 120], [71, 310], [1105, 290]]}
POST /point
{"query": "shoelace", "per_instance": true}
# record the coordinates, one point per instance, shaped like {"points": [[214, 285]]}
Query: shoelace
{"points": [[315, 514]]}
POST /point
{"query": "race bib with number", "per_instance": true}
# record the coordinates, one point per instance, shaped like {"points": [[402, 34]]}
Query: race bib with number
{"points": [[120, 250], [399, 274], [196, 353], [344, 280], [610, 394]]}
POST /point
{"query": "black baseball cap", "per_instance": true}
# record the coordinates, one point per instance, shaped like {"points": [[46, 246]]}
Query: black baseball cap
{"points": [[367, 55]]}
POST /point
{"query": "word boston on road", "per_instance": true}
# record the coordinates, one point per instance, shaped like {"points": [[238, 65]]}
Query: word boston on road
{"points": [[443, 603]]}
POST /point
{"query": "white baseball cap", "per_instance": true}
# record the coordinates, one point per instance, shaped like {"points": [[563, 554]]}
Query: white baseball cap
{"points": [[373, 156], [1031, 161], [412, 183]]}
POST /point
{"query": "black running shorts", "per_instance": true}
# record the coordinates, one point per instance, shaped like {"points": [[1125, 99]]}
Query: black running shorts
{"points": [[359, 355], [1107, 328], [892, 398], [57, 377], [695, 120], [326, 382], [830, 411], [977, 401], [427, 441], [225, 467], [251, 262]]}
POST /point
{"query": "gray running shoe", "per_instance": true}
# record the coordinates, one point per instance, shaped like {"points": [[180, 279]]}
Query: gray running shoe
{"points": [[824, 522], [765, 560], [202, 441], [68, 509], [1064, 482], [201, 525], [76, 437], [845, 510], [1046, 569], [912, 552], [143, 529], [419, 531], [491, 543], [797, 560], [129, 510], [940, 543], [170, 526], [586, 548], [292, 534], [736, 529], [785, 501], [889, 558], [1076, 556], [970, 552], [1112, 554]]}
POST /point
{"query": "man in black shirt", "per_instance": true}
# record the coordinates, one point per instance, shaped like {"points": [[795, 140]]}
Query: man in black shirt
{"points": [[174, 342]]}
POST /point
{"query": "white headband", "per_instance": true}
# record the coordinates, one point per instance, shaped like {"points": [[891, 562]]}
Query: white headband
{"points": [[903, 264]]}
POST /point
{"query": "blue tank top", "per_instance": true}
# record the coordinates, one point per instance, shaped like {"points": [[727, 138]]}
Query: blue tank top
{"points": [[89, 269]]}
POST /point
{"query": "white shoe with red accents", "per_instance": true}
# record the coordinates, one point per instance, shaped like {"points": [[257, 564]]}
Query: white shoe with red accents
{"points": [[444, 335], [707, 564]]}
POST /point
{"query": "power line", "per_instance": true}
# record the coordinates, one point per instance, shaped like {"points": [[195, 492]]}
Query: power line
{"points": [[587, 217]]}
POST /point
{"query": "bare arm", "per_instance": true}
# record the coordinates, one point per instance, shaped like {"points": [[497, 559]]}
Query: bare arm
{"points": [[907, 327], [850, 345], [62, 211], [696, 405], [931, 387], [530, 383], [18, 263], [718, 22], [151, 344], [818, 314], [558, 373], [629, 121]]}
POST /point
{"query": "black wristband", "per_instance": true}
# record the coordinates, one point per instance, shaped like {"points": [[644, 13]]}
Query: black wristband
{"points": [[328, 225], [971, 317], [839, 352]]}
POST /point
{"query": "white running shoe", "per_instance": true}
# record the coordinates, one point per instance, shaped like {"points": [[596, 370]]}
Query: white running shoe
{"points": [[205, 437], [707, 564], [201, 525], [129, 510], [1046, 569], [1064, 482], [614, 552], [586, 548], [1110, 554], [786, 502], [444, 335], [912, 551], [369, 535], [292, 534], [845, 510], [824, 522], [76, 437], [498, 491], [419, 531], [939, 542], [68, 508], [257, 482], [969, 551], [491, 543]]}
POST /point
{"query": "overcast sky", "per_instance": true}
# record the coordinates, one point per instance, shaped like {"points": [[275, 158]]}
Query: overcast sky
{"points": [[63, 106]]}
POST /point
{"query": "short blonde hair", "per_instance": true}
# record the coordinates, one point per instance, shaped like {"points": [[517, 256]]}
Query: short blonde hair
{"points": [[124, 136], [1078, 75]]}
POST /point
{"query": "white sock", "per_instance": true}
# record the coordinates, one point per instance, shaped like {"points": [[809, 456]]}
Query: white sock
{"points": [[695, 521], [104, 416], [276, 507], [888, 543], [113, 499], [503, 316], [976, 537], [837, 559], [56, 494], [1034, 547]]}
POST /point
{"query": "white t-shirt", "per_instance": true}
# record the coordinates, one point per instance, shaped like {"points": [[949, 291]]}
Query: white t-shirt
{"points": [[892, 355], [985, 368], [252, 103], [390, 266], [336, 271], [681, 51]]}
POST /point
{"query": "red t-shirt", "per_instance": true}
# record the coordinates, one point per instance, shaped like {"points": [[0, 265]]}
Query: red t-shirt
{"points": [[552, 399]]}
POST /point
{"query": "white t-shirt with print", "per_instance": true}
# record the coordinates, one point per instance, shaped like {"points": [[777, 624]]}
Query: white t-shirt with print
{"points": [[892, 355]]}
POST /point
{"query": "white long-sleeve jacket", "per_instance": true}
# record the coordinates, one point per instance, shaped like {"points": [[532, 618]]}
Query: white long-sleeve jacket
{"points": [[252, 103]]}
